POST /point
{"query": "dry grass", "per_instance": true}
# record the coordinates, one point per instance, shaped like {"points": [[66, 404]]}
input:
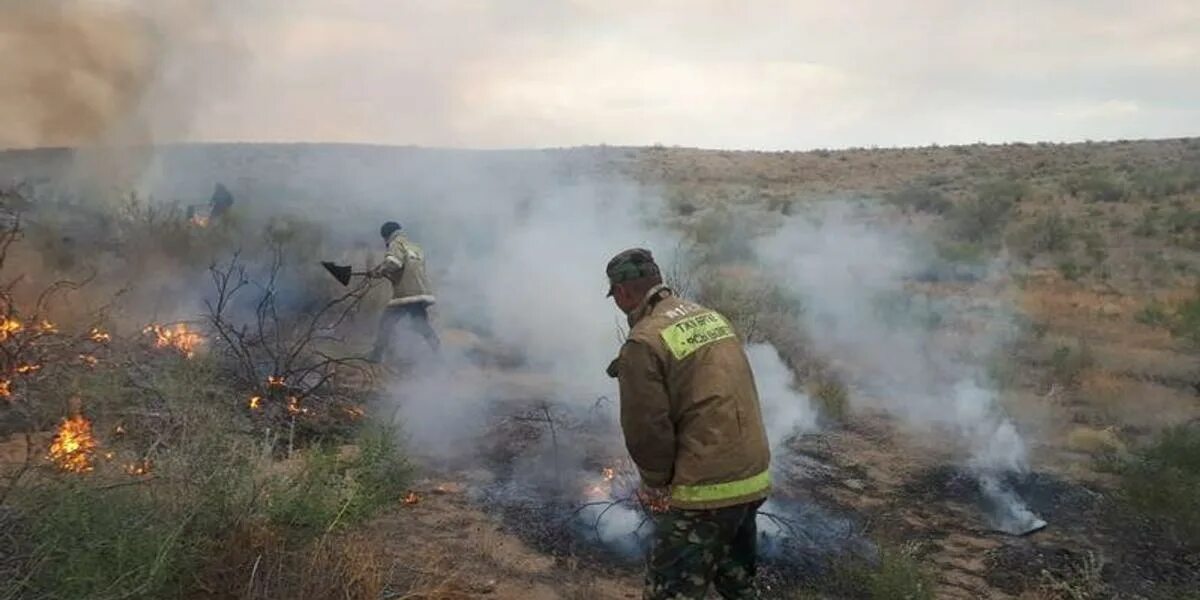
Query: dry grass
{"points": [[1093, 441]]}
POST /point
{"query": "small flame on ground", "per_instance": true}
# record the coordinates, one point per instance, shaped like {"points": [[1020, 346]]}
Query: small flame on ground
{"points": [[9, 327], [47, 327], [199, 221], [275, 381], [609, 473], [294, 407], [99, 336], [410, 498], [108, 455], [138, 468], [120, 430], [255, 402], [73, 445], [27, 369], [89, 360], [179, 337], [5, 392]]}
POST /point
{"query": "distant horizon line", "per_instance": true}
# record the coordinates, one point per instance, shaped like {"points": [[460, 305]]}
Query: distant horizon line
{"points": [[656, 146]]}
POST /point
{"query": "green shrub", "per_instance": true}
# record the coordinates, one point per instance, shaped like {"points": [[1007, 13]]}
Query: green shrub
{"points": [[920, 198], [1068, 363], [1154, 314], [896, 575], [1071, 270], [1162, 182], [332, 489], [899, 577], [95, 543], [1186, 323], [1051, 232], [1163, 479], [1003, 190], [980, 219], [1097, 186]]}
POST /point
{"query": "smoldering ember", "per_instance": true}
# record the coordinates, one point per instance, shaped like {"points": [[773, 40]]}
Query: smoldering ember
{"points": [[486, 300]]}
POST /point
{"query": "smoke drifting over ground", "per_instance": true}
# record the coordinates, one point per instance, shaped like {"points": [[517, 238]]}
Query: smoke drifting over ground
{"points": [[916, 355]]}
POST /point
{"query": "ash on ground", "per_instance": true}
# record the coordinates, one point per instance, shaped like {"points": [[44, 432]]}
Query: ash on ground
{"points": [[563, 493]]}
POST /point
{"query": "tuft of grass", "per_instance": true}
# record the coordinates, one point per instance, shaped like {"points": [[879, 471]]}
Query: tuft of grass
{"points": [[1083, 580], [97, 543], [1098, 442], [331, 489], [896, 575]]}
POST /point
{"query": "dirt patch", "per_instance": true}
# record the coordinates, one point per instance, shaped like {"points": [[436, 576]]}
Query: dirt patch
{"points": [[444, 546]]}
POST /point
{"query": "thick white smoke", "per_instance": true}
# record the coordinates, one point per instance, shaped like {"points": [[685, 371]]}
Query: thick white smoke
{"points": [[786, 411], [917, 356]]}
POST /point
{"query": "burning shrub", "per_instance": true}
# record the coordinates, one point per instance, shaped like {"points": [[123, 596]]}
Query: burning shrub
{"points": [[178, 337], [74, 445]]}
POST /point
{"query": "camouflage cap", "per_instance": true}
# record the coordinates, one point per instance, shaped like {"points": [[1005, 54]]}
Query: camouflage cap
{"points": [[631, 264]]}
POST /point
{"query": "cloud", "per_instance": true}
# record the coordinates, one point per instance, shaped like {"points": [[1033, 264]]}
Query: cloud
{"points": [[768, 74]]}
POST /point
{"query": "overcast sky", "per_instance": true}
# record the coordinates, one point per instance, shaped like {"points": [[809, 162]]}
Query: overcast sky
{"points": [[769, 74]]}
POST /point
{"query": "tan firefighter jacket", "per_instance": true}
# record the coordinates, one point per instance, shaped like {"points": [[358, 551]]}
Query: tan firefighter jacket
{"points": [[689, 406], [404, 266]]}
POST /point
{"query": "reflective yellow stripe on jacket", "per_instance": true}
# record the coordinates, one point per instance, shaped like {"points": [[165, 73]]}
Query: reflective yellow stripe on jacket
{"points": [[722, 491]]}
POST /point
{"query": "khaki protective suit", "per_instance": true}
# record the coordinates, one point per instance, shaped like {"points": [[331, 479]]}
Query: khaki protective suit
{"points": [[689, 406], [404, 266]]}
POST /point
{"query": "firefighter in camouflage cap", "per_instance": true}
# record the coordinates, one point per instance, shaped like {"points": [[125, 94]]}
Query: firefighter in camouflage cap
{"points": [[693, 426]]}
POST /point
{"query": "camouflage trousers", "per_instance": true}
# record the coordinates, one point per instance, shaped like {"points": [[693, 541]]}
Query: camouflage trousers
{"points": [[696, 549]]}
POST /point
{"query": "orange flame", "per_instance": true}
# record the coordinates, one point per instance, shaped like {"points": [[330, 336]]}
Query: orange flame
{"points": [[5, 392], [9, 327], [275, 381], [294, 407], [179, 337], [27, 369], [47, 327], [138, 468], [99, 336], [73, 445], [89, 360], [411, 498], [255, 402]]}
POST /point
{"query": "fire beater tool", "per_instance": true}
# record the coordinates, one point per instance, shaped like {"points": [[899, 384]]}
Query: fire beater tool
{"points": [[342, 273]]}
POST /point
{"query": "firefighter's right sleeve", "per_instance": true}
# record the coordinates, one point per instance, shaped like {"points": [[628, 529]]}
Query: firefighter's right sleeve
{"points": [[646, 414], [393, 262]]}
